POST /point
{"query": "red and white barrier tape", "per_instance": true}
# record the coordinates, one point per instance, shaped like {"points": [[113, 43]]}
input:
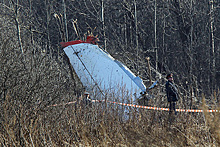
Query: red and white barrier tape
{"points": [[138, 106], [155, 108]]}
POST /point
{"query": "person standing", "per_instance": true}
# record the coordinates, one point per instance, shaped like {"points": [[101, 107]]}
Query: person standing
{"points": [[172, 93], [86, 99]]}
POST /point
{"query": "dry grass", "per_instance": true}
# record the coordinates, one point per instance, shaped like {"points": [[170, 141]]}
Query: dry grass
{"points": [[25, 119], [101, 125]]}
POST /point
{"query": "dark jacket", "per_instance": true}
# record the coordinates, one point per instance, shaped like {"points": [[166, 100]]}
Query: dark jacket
{"points": [[172, 93]]}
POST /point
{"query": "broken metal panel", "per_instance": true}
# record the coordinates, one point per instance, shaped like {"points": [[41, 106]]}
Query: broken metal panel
{"points": [[96, 67]]}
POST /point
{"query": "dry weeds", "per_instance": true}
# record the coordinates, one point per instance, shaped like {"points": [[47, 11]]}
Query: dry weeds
{"points": [[26, 119], [96, 125]]}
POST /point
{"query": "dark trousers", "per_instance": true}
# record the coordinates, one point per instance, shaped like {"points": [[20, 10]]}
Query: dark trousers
{"points": [[172, 107]]}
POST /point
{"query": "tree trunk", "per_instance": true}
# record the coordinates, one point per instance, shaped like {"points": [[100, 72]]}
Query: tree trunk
{"points": [[191, 54], [155, 33], [18, 26], [103, 25], [65, 21], [212, 42], [136, 33]]}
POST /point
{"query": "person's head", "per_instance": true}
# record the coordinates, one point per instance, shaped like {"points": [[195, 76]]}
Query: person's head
{"points": [[170, 77]]}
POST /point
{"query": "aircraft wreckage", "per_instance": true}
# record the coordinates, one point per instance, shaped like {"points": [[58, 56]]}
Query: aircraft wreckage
{"points": [[100, 72]]}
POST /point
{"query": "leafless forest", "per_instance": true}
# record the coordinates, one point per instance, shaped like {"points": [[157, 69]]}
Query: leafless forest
{"points": [[182, 37]]}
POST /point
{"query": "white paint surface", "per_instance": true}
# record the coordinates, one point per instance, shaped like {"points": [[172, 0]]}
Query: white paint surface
{"points": [[94, 66]]}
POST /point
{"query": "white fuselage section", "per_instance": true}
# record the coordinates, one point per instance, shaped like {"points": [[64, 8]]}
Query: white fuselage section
{"points": [[96, 68]]}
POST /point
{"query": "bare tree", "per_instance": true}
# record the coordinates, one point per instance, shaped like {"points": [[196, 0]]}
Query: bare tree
{"points": [[65, 20], [16, 9], [212, 41], [155, 34], [103, 23]]}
